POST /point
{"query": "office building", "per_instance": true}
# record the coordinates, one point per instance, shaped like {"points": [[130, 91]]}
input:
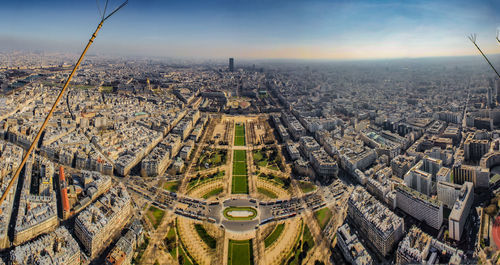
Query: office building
{"points": [[421, 176], [420, 206], [447, 193], [419, 180], [476, 145], [231, 64], [479, 176], [444, 174], [460, 211]]}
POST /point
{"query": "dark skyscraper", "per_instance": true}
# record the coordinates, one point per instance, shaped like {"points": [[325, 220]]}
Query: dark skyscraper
{"points": [[231, 64]]}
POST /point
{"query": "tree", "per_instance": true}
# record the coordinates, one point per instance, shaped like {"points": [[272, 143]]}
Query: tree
{"points": [[491, 209], [279, 161], [286, 182], [305, 247]]}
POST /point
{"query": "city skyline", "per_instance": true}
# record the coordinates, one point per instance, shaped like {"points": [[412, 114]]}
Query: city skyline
{"points": [[257, 30], [249, 132]]}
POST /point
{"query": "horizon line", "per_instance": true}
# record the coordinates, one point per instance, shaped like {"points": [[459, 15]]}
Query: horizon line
{"points": [[201, 58]]}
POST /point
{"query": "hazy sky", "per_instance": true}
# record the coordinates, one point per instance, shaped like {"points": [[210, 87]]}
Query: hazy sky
{"points": [[309, 29]]}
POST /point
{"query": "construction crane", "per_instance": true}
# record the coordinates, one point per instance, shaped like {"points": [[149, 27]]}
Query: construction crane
{"points": [[104, 17]]}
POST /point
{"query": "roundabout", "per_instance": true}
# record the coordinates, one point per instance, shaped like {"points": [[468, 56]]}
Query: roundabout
{"points": [[240, 215]]}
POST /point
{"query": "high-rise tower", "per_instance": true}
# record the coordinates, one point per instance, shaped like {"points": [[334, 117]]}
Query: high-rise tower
{"points": [[231, 64]]}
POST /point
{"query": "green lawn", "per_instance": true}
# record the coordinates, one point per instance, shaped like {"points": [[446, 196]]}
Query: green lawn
{"points": [[306, 186], [195, 181], [211, 158], [257, 155], [171, 186], [268, 157], [282, 182], [170, 242], [155, 215], [239, 141], [259, 158], [323, 216], [239, 155], [308, 238], [239, 129], [267, 193], [171, 233], [212, 193], [106, 89], [209, 240], [239, 162], [240, 252], [274, 235], [239, 135], [184, 260], [239, 168], [81, 86], [239, 185]]}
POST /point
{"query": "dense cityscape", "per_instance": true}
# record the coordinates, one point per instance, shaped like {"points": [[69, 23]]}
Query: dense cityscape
{"points": [[251, 162], [318, 132]]}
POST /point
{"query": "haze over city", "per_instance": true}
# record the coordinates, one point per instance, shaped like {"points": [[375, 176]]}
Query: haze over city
{"points": [[294, 29]]}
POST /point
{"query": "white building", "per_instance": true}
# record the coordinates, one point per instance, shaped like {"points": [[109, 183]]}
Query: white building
{"points": [[460, 211], [420, 206], [448, 193]]}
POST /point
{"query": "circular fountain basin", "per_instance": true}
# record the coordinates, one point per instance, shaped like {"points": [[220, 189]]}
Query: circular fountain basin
{"points": [[240, 213]]}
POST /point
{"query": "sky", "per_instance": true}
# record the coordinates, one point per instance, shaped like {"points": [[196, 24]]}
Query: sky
{"points": [[255, 29]]}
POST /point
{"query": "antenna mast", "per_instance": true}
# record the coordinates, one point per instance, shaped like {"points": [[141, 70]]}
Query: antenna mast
{"points": [[472, 38], [104, 17]]}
